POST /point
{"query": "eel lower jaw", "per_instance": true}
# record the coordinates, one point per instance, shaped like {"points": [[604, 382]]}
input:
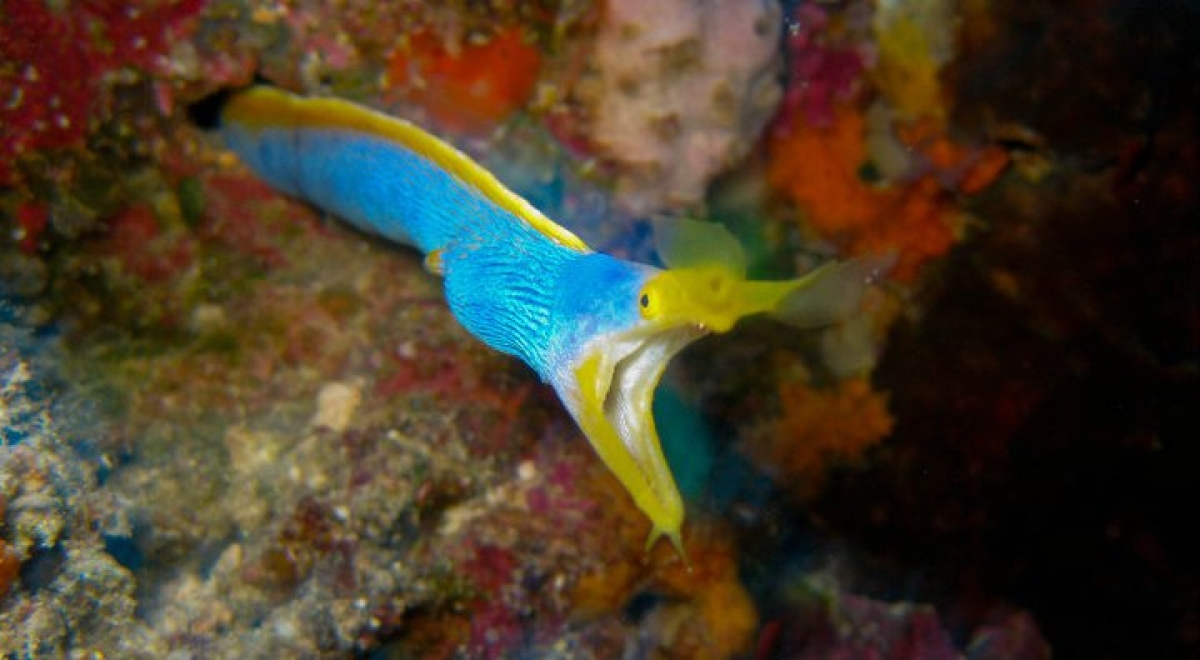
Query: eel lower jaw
{"points": [[637, 369], [611, 397]]}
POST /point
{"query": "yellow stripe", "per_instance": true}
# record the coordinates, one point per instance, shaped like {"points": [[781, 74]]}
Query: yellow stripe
{"points": [[267, 107]]}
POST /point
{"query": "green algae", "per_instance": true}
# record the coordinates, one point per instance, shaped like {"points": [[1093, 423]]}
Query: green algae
{"points": [[192, 202]]}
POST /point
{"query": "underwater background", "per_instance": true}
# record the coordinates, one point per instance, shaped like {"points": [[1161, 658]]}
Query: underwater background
{"points": [[233, 427]]}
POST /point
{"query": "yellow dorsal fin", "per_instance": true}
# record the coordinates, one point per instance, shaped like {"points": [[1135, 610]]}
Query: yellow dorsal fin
{"points": [[267, 107]]}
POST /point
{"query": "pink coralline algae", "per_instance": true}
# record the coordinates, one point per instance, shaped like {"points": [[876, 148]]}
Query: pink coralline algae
{"points": [[495, 628], [56, 58], [821, 72], [235, 214], [137, 239]]}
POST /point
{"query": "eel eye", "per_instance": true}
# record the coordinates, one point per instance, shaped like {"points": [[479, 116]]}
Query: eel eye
{"points": [[648, 302]]}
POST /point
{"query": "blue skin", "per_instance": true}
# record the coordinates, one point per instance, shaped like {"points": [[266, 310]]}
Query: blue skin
{"points": [[507, 283]]}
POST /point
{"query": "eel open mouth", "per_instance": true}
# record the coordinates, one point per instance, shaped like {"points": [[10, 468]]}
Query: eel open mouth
{"points": [[635, 376], [611, 398]]}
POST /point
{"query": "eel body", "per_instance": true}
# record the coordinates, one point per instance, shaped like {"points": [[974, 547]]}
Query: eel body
{"points": [[599, 330]]}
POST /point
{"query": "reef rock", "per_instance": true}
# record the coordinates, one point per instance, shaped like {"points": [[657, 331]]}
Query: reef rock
{"points": [[677, 91]]}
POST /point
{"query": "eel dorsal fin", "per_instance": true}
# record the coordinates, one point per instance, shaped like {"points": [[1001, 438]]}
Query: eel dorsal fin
{"points": [[264, 107], [686, 244]]}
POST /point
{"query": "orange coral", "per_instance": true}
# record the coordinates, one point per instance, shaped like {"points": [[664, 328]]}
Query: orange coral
{"points": [[819, 168], [727, 616], [711, 614], [986, 168], [975, 169], [470, 88], [821, 426]]}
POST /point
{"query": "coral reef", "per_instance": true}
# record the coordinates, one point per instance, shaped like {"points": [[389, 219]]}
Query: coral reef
{"points": [[245, 517], [1043, 394], [880, 177], [820, 169], [58, 65], [819, 428], [828, 622], [61, 591], [825, 66], [676, 92], [232, 428], [915, 39], [698, 610], [470, 87]]}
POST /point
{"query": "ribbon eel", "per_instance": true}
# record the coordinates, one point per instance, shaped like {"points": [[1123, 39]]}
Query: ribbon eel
{"points": [[599, 330]]}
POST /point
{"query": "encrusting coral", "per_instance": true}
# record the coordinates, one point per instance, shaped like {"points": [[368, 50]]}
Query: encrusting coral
{"points": [[468, 87], [876, 175], [61, 589], [819, 428], [703, 610], [676, 92]]}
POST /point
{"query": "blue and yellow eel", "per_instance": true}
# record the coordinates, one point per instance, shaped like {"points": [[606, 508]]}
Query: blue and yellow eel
{"points": [[598, 329]]}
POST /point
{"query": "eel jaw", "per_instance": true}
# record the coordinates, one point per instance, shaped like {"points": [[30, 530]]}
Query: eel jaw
{"points": [[610, 392]]}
